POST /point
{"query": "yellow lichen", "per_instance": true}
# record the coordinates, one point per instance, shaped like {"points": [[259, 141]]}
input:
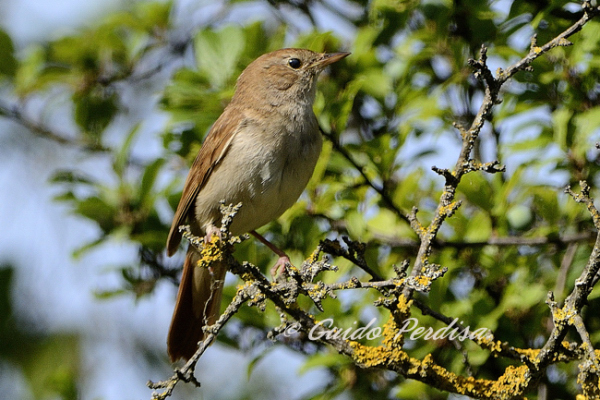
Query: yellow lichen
{"points": [[513, 381], [378, 355], [314, 257], [427, 369], [531, 354], [211, 253], [423, 280], [390, 354], [404, 306]]}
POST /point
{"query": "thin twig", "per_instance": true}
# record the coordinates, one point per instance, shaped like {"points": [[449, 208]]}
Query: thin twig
{"points": [[379, 189], [16, 114]]}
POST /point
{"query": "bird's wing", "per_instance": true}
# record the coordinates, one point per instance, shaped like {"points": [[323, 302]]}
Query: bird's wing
{"points": [[213, 150]]}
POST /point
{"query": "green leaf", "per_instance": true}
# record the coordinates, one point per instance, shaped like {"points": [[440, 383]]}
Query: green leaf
{"points": [[562, 126], [376, 82], [385, 223], [545, 201], [479, 227], [256, 359], [148, 179], [80, 251], [519, 217], [8, 62], [153, 237], [153, 14], [95, 110], [109, 294], [122, 156], [363, 49], [356, 224], [587, 126], [99, 211], [324, 360], [27, 77], [348, 95], [218, 52], [60, 381], [407, 193], [70, 177], [318, 41], [477, 190]]}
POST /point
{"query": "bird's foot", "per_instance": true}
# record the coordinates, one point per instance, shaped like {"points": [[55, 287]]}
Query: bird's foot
{"points": [[280, 266], [211, 231]]}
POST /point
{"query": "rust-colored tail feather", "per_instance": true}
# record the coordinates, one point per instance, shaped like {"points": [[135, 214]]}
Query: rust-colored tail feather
{"points": [[198, 303]]}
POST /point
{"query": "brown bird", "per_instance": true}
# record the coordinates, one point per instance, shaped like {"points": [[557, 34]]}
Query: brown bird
{"points": [[261, 152]]}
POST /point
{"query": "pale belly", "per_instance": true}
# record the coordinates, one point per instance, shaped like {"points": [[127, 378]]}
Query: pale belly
{"points": [[266, 179]]}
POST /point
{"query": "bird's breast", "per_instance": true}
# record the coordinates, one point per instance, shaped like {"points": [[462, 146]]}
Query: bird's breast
{"points": [[266, 168]]}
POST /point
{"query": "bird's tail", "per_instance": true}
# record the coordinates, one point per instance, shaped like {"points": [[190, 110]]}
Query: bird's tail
{"points": [[198, 303]]}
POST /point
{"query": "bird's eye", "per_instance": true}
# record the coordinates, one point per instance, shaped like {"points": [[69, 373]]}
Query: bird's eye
{"points": [[294, 63]]}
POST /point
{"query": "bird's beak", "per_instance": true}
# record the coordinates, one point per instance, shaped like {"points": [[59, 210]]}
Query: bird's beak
{"points": [[329, 58]]}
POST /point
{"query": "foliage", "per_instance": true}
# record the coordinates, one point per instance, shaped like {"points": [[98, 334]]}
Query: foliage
{"points": [[35, 352], [389, 112]]}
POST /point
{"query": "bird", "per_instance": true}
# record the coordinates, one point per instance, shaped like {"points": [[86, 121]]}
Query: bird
{"points": [[261, 152]]}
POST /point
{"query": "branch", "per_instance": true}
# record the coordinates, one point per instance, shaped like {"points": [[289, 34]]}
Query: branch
{"points": [[464, 164], [589, 12], [283, 294], [387, 199], [570, 313], [16, 114], [506, 241], [186, 373]]}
